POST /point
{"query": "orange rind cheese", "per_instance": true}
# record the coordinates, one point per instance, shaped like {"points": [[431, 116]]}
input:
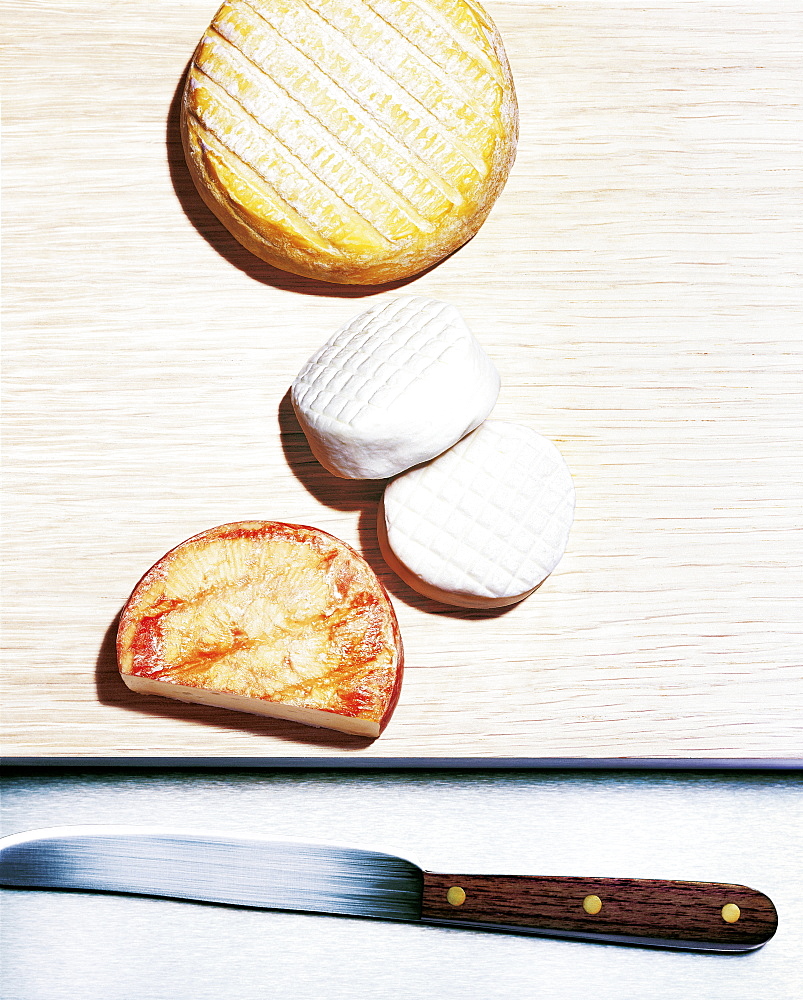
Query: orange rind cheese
{"points": [[352, 141], [270, 618]]}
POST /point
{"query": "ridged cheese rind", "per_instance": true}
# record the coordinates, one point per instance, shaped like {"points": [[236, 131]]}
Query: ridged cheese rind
{"points": [[270, 618], [483, 524], [395, 386], [355, 141]]}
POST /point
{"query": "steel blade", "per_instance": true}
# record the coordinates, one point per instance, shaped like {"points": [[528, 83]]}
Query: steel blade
{"points": [[219, 868]]}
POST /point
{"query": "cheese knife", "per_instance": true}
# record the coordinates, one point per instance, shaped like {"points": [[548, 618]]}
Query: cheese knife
{"points": [[321, 878]]}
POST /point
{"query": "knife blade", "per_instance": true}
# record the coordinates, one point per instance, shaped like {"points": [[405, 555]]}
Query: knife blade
{"points": [[324, 878]]}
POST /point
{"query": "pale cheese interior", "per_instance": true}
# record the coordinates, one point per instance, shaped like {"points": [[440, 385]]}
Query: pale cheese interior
{"points": [[354, 726]]}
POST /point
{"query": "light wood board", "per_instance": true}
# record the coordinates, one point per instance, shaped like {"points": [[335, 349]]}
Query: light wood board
{"points": [[638, 285]]}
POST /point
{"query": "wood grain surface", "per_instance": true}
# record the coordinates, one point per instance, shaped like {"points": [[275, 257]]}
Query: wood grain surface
{"points": [[638, 285]]}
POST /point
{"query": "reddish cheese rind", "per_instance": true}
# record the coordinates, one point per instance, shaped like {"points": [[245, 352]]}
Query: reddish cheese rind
{"points": [[266, 617]]}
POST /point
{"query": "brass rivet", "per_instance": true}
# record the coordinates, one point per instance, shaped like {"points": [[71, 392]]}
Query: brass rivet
{"points": [[592, 905], [456, 896], [731, 913]]}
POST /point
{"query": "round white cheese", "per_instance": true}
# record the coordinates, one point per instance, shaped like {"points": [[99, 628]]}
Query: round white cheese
{"points": [[395, 386], [485, 523]]}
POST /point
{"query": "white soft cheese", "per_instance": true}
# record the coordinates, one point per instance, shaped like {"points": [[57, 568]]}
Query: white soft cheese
{"points": [[395, 386], [483, 524]]}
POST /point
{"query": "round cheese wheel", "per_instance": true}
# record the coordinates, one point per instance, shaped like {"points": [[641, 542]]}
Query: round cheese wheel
{"points": [[270, 618], [350, 141], [484, 524], [395, 386]]}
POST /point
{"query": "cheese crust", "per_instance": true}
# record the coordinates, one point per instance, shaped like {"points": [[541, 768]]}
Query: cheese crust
{"points": [[485, 523], [352, 141], [269, 618], [393, 387]]}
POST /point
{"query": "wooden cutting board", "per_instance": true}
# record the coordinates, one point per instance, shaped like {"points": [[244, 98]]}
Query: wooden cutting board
{"points": [[638, 285]]}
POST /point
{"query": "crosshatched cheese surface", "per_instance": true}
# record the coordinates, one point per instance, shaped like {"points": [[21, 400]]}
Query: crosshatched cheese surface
{"points": [[352, 141], [485, 523], [395, 386]]}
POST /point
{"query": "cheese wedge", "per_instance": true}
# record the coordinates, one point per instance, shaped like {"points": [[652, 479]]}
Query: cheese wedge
{"points": [[395, 386], [270, 618], [484, 524], [353, 141]]}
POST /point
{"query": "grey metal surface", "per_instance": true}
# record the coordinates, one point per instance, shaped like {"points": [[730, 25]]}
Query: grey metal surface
{"points": [[696, 826]]}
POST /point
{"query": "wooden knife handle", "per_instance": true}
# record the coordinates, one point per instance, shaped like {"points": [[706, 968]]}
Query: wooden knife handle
{"points": [[711, 916]]}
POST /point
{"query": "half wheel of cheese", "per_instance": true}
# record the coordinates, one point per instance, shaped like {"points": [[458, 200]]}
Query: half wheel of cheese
{"points": [[269, 618], [352, 141]]}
